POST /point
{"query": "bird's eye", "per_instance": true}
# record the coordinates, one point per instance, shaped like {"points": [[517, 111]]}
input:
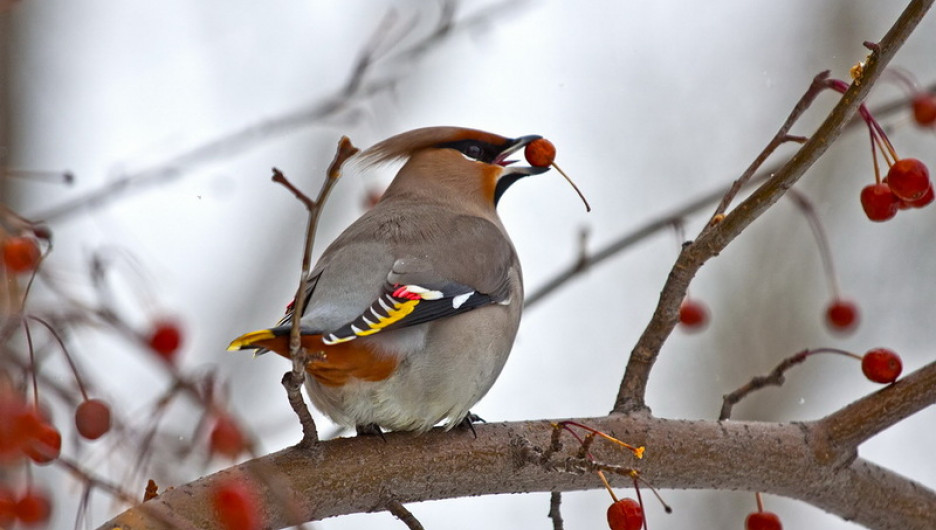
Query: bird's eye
{"points": [[474, 151]]}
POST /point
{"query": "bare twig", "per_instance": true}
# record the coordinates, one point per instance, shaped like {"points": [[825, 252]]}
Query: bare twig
{"points": [[714, 238], [775, 378], [555, 509], [839, 434], [362, 83], [293, 380], [782, 136], [280, 178], [400, 512], [92, 481]]}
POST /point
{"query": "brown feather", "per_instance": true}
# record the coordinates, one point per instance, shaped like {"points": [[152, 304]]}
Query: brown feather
{"points": [[339, 362]]}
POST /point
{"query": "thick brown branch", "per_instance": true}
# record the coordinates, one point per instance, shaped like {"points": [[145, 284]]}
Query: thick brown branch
{"points": [[714, 238], [340, 476], [838, 435]]}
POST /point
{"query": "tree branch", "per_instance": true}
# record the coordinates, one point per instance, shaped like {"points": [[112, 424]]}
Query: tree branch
{"points": [[340, 476], [839, 434], [715, 237], [586, 261], [360, 84]]}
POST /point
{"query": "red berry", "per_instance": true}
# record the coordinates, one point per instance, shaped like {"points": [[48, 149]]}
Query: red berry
{"points": [[226, 438], [922, 201], [842, 315], [879, 203], [19, 423], [908, 179], [693, 314], [7, 507], [881, 365], [165, 339], [45, 446], [924, 109], [762, 521], [236, 506], [93, 419], [625, 514], [21, 254], [33, 507], [540, 153]]}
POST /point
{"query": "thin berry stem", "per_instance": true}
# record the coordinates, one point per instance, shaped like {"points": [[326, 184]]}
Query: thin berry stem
{"points": [[640, 501], [886, 141], [822, 241], [638, 451], [874, 158], [32, 363], [836, 351], [904, 78], [607, 485], [68, 357], [774, 378]]}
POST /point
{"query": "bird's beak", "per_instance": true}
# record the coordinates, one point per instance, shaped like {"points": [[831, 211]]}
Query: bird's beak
{"points": [[512, 147]]}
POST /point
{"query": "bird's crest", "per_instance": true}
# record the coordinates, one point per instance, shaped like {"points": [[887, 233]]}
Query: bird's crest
{"points": [[402, 146]]}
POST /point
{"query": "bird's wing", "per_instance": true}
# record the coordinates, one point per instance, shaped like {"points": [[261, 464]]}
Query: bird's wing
{"points": [[471, 266], [311, 282]]}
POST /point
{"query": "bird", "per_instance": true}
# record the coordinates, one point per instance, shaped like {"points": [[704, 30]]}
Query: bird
{"points": [[412, 311]]}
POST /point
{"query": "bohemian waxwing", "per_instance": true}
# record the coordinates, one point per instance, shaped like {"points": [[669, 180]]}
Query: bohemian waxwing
{"points": [[413, 309]]}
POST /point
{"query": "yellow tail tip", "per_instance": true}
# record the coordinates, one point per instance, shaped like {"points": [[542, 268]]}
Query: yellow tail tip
{"points": [[248, 340]]}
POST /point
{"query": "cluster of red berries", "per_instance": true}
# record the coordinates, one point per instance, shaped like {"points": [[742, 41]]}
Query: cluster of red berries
{"points": [[907, 184], [25, 431]]}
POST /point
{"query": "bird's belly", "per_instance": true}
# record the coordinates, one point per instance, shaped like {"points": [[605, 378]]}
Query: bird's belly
{"points": [[436, 381]]}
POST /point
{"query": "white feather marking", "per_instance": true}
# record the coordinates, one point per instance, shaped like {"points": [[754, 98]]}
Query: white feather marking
{"points": [[384, 305], [425, 294], [457, 301]]}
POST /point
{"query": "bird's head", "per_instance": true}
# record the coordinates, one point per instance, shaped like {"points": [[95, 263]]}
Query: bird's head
{"points": [[467, 161]]}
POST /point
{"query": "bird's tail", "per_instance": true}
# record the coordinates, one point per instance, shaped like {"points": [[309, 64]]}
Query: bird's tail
{"points": [[254, 340]]}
